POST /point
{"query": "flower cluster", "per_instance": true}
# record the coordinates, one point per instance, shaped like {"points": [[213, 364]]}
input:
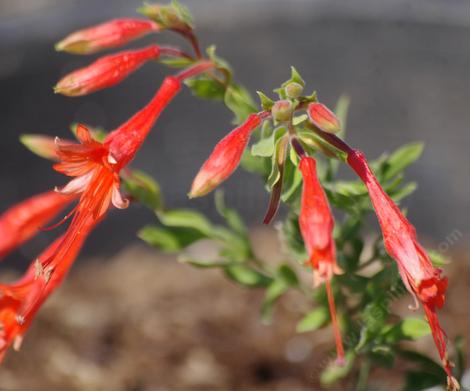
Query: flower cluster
{"points": [[294, 129], [316, 221], [93, 165]]}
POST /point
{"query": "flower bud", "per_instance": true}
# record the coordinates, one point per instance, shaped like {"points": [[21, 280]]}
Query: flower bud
{"points": [[323, 118], [105, 72], [282, 110], [172, 16], [294, 90], [224, 159], [110, 34]]}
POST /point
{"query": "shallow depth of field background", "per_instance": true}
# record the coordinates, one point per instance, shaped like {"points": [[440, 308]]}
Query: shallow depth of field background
{"points": [[404, 64]]}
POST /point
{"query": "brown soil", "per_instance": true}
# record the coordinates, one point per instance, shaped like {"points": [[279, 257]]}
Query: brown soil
{"points": [[143, 322]]}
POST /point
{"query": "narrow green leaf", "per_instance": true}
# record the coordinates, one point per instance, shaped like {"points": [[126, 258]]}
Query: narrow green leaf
{"points": [[408, 329], [143, 188], [401, 159], [313, 320], [247, 276]]}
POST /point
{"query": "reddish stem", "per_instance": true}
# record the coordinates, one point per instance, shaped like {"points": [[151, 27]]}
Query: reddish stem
{"points": [[191, 37], [173, 52], [195, 70]]}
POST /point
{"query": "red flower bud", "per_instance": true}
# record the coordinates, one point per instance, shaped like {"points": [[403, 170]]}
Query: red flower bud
{"points": [[22, 221], [323, 118], [419, 276], [316, 226], [225, 157], [105, 72], [110, 34]]}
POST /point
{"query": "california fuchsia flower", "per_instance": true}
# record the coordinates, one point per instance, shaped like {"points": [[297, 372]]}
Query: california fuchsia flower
{"points": [[225, 157], [20, 301], [316, 226], [95, 168], [105, 72], [22, 221], [106, 35], [124, 142], [419, 276], [323, 118]]}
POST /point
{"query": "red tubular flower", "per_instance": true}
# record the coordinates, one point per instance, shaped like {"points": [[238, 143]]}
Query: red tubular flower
{"points": [[20, 301], [316, 226], [419, 276], [22, 221], [106, 35], [323, 118], [105, 72], [225, 157], [124, 142]]}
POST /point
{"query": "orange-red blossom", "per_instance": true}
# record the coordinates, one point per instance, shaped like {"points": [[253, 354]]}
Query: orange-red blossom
{"points": [[419, 276], [94, 167], [316, 226]]}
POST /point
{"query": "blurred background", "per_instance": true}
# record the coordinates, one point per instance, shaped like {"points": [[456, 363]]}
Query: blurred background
{"points": [[403, 63]]}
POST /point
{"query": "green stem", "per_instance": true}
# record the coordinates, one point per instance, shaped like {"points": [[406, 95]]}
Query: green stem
{"points": [[363, 377]]}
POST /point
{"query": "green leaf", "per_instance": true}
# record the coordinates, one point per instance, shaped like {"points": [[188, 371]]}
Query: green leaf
{"points": [[415, 381], [277, 160], [284, 279], [299, 119], [267, 146], [313, 320], [206, 87], [291, 238], [266, 103], [203, 263], [232, 218], [437, 259], [239, 101], [401, 159], [292, 181], [407, 329], [256, 164], [143, 188], [169, 239], [188, 219], [246, 276], [335, 372]]}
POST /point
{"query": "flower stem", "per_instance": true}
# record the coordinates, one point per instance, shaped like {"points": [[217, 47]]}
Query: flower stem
{"points": [[173, 52], [195, 70], [191, 37]]}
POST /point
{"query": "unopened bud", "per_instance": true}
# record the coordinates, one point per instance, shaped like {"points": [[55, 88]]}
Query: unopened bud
{"points": [[282, 110], [106, 35], [323, 118], [294, 90], [166, 16]]}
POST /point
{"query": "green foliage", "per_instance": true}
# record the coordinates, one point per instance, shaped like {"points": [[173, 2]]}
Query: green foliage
{"points": [[373, 336]]}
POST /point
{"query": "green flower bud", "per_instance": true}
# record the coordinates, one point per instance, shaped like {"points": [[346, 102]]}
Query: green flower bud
{"points": [[282, 110], [294, 90]]}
